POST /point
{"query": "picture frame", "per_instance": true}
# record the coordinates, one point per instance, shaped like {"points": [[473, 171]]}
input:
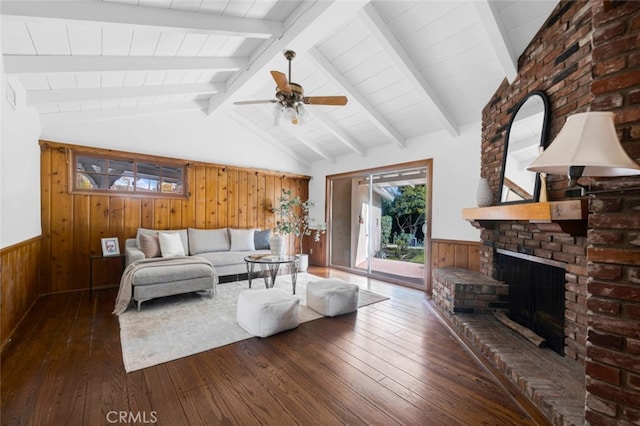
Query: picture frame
{"points": [[110, 246]]}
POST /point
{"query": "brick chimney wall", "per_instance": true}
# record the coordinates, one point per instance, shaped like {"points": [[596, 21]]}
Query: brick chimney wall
{"points": [[558, 62], [613, 305], [586, 57]]}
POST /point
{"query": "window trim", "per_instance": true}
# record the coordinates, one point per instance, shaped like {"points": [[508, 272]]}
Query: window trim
{"points": [[136, 159]]}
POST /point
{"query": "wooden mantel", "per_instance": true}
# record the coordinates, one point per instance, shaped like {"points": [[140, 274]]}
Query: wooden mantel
{"points": [[534, 212]]}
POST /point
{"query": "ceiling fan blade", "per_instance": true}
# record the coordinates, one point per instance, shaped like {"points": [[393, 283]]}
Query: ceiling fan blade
{"points": [[325, 100], [270, 101], [281, 81]]}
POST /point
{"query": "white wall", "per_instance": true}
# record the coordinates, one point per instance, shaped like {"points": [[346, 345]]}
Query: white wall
{"points": [[456, 171], [19, 168], [218, 140]]}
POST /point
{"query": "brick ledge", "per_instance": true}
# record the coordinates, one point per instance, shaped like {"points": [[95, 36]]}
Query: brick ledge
{"points": [[554, 384]]}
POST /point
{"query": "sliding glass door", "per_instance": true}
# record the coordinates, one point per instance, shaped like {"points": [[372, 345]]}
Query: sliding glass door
{"points": [[379, 222]]}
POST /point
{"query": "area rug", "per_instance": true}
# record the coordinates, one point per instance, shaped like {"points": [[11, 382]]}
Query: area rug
{"points": [[175, 327]]}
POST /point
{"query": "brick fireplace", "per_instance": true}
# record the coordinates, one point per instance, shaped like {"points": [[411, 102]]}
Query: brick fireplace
{"points": [[586, 57], [536, 295], [546, 242]]}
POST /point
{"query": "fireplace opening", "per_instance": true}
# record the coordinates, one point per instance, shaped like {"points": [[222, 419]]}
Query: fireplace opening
{"points": [[536, 294]]}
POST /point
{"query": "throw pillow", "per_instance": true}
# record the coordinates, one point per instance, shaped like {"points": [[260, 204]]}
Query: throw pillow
{"points": [[261, 239], [242, 239], [150, 245], [170, 244], [146, 231], [208, 240]]}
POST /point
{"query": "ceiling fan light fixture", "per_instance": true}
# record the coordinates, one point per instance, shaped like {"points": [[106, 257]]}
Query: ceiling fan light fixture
{"points": [[302, 113], [291, 114]]}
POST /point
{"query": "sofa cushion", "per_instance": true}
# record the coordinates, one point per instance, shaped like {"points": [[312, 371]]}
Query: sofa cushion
{"points": [[181, 232], [241, 239], [261, 239], [224, 258], [150, 245], [170, 244], [171, 274], [208, 240]]}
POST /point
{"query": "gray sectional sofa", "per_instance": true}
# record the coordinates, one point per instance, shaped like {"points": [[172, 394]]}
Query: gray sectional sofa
{"points": [[223, 249]]}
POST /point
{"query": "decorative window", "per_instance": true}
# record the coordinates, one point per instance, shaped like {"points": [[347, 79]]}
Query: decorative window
{"points": [[96, 173]]}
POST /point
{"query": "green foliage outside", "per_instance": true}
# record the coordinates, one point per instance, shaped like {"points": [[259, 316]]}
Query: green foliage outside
{"points": [[386, 223], [403, 217], [407, 209]]}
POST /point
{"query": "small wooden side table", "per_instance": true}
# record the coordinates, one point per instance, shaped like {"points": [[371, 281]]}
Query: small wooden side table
{"points": [[93, 258]]}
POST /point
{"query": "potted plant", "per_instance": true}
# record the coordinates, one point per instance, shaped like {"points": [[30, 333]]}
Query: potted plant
{"points": [[293, 214]]}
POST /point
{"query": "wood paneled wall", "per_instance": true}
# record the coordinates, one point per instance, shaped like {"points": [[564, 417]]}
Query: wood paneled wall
{"points": [[461, 254], [73, 224], [21, 284]]}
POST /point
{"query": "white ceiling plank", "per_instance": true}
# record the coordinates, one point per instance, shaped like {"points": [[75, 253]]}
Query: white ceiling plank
{"points": [[62, 81], [132, 79], [331, 126], [497, 35], [113, 79], [49, 38], [309, 24], [116, 113], [297, 131], [155, 78], [34, 82], [144, 42], [88, 80], [402, 60], [22, 64], [356, 97], [174, 77], [267, 137], [35, 97], [15, 39], [116, 41], [136, 16], [169, 43], [84, 39], [192, 44]]}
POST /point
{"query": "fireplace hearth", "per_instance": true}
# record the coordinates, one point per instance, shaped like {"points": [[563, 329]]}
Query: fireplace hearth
{"points": [[536, 294]]}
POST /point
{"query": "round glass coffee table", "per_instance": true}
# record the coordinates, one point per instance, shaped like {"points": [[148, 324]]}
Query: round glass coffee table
{"points": [[271, 263]]}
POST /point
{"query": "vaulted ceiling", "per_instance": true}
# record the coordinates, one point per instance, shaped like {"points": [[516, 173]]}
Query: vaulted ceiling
{"points": [[408, 68]]}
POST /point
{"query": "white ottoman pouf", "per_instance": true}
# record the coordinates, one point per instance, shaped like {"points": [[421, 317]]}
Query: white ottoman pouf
{"points": [[332, 296], [267, 311]]}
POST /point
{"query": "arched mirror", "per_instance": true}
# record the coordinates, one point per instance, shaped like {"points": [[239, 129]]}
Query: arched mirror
{"points": [[526, 133]]}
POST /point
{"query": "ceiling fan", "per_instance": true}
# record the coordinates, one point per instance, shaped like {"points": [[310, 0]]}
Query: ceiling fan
{"points": [[290, 99]]}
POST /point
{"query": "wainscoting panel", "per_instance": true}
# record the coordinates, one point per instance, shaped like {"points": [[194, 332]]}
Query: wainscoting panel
{"points": [[461, 254], [73, 224], [21, 284]]}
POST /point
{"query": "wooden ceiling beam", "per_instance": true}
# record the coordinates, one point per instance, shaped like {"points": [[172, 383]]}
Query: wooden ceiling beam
{"points": [[26, 64], [405, 64], [498, 37], [116, 113], [37, 97], [108, 13]]}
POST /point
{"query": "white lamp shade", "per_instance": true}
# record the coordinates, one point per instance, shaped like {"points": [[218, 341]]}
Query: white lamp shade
{"points": [[587, 139]]}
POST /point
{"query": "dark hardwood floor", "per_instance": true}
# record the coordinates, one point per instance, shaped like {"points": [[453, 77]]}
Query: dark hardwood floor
{"points": [[393, 362]]}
